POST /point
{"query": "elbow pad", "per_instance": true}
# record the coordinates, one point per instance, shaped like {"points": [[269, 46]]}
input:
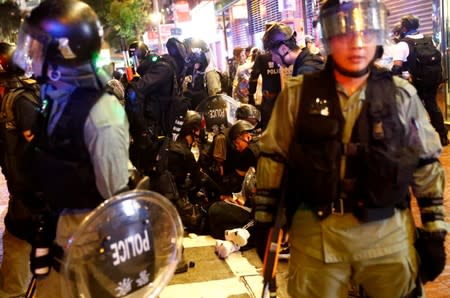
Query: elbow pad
{"points": [[265, 206], [432, 213]]}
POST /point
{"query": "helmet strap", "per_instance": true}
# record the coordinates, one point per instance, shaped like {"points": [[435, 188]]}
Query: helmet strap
{"points": [[351, 74]]}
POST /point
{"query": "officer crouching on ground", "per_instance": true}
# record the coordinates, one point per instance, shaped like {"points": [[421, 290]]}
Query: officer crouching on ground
{"points": [[186, 171], [80, 155], [353, 139]]}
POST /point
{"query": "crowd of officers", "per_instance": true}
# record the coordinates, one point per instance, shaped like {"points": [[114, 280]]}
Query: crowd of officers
{"points": [[356, 128]]}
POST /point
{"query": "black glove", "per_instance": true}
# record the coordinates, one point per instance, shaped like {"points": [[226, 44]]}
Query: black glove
{"points": [[431, 249]]}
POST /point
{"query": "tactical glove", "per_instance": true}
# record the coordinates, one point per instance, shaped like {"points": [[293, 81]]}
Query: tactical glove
{"points": [[264, 207], [431, 249]]}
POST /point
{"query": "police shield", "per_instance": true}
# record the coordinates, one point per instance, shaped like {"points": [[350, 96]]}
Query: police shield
{"points": [[219, 112], [129, 246]]}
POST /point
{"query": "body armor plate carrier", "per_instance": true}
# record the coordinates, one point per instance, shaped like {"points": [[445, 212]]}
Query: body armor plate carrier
{"points": [[379, 162], [69, 179]]}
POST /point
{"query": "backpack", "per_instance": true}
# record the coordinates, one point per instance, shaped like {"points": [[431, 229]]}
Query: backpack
{"points": [[424, 61], [28, 90]]}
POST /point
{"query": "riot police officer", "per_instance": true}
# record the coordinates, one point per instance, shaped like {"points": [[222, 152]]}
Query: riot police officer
{"points": [[80, 155], [186, 171], [241, 154], [20, 99], [281, 41], [206, 80], [343, 132], [150, 96], [265, 67]]}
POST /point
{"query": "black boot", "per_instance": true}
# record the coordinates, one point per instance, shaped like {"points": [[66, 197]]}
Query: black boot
{"points": [[182, 265], [191, 215]]}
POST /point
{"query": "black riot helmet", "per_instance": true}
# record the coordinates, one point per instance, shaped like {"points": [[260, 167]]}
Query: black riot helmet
{"points": [[176, 49], [138, 51], [339, 17], [192, 121], [249, 113], [60, 32], [6, 52], [197, 52], [239, 128], [277, 34]]}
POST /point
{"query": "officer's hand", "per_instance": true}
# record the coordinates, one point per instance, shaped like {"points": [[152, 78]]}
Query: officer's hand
{"points": [[431, 249]]}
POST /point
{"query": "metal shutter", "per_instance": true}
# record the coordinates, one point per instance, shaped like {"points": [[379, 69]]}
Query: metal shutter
{"points": [[423, 9], [310, 13], [260, 12], [239, 33]]}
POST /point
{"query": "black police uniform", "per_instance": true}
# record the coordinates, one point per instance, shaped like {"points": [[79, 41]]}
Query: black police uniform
{"points": [[186, 172], [271, 84]]}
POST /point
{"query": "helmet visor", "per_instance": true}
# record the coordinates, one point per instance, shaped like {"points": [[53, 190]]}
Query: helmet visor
{"points": [[30, 51], [368, 17]]}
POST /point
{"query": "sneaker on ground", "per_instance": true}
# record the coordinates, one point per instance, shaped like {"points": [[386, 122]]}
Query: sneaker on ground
{"points": [[238, 236], [225, 248]]}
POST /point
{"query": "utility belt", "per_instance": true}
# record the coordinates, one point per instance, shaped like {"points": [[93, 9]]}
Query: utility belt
{"points": [[342, 206], [357, 206]]}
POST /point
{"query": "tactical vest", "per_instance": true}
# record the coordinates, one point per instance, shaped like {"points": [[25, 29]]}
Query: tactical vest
{"points": [[61, 165], [379, 163]]}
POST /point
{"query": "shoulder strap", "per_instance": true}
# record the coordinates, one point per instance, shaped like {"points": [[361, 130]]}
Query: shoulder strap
{"points": [[76, 111], [380, 100], [29, 92], [411, 59]]}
